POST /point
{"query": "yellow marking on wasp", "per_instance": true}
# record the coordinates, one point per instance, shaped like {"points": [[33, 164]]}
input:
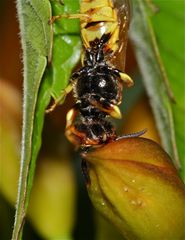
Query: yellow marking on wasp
{"points": [[71, 115], [97, 18], [115, 112], [100, 11], [126, 79]]}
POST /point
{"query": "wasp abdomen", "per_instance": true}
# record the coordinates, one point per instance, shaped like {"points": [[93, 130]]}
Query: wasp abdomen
{"points": [[102, 20], [96, 132]]}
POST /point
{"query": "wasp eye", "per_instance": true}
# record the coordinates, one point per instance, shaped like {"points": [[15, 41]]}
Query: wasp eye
{"points": [[88, 57], [100, 56]]}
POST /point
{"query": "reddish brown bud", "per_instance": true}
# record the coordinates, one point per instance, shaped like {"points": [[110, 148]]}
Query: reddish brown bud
{"points": [[134, 184]]}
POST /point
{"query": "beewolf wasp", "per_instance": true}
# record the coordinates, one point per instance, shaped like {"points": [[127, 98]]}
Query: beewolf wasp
{"points": [[98, 85]]}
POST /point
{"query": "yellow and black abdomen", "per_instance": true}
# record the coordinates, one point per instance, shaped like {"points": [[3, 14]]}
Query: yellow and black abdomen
{"points": [[101, 19]]}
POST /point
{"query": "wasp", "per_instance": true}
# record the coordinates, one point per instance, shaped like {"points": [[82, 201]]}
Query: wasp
{"points": [[97, 86]]}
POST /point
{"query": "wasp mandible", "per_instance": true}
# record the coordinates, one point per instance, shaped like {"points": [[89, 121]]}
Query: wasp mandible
{"points": [[97, 86]]}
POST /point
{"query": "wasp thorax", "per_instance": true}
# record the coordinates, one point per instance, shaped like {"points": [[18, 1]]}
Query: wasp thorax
{"points": [[97, 86]]}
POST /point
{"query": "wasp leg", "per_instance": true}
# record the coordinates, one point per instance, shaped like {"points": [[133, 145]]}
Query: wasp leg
{"points": [[67, 90], [68, 15], [70, 117], [71, 133], [77, 74], [112, 110], [124, 77], [61, 99], [59, 1]]}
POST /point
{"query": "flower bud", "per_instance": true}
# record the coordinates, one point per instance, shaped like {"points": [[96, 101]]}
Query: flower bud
{"points": [[134, 184]]}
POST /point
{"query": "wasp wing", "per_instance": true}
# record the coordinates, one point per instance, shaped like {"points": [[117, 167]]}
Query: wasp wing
{"points": [[124, 15]]}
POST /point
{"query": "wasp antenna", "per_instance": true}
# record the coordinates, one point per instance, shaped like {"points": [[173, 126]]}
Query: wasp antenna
{"points": [[132, 135]]}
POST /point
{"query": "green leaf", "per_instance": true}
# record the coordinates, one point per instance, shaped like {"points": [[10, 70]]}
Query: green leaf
{"points": [[158, 39], [37, 37], [33, 18], [67, 46], [169, 29]]}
